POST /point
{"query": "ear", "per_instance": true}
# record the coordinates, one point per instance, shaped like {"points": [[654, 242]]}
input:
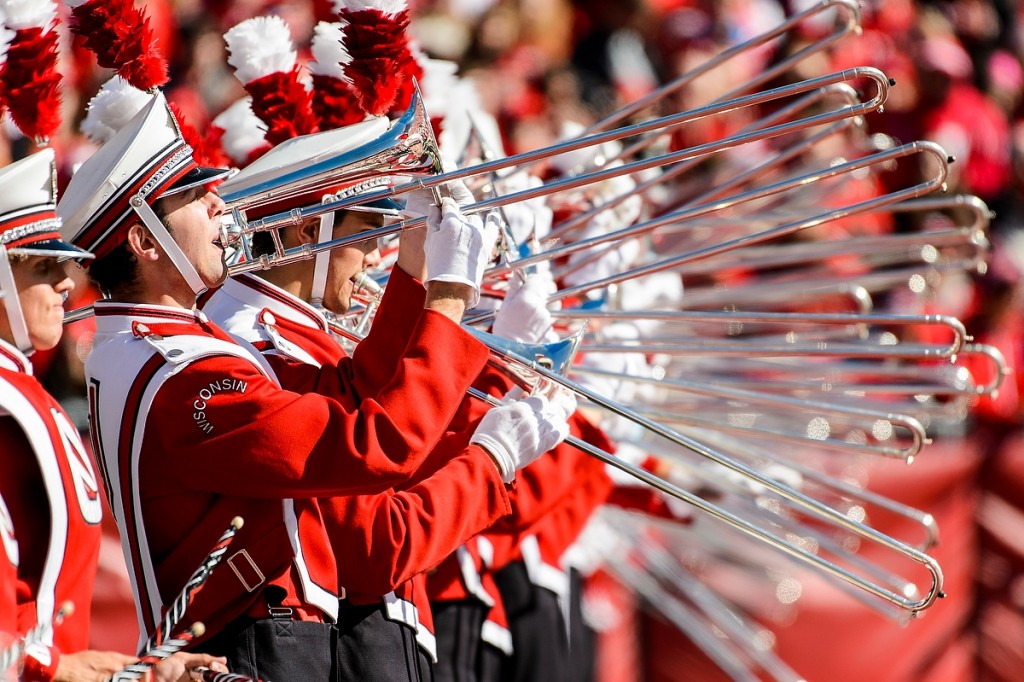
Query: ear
{"points": [[308, 231], [142, 244]]}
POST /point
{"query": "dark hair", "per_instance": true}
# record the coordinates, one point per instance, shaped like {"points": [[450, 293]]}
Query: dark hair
{"points": [[118, 271]]}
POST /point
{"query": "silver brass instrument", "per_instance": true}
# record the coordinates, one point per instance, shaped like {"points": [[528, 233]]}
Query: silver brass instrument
{"points": [[931, 184], [414, 120], [804, 503], [526, 363]]}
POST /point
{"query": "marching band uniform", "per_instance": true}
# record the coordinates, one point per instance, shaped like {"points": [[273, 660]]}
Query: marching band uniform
{"points": [[8, 580], [229, 441], [473, 618], [54, 500], [48, 481], [383, 541], [535, 587], [8, 577], [389, 540], [495, 636]]}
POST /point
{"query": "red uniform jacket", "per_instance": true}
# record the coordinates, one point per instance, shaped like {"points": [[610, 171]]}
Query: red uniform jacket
{"points": [[552, 498], [8, 578], [50, 487], [194, 430], [495, 630], [382, 542]]}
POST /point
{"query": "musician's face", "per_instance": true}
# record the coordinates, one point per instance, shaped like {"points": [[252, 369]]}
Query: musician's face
{"points": [[42, 283], [193, 219], [347, 262]]}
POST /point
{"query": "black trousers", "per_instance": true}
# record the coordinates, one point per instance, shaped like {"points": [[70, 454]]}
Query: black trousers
{"points": [[457, 625], [490, 663], [539, 640], [371, 648], [582, 644], [276, 650]]}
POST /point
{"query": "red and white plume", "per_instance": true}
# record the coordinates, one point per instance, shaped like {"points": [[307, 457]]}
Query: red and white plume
{"points": [[205, 148], [262, 54], [116, 104], [111, 108], [375, 37], [30, 78], [242, 134], [6, 36], [119, 34], [334, 101]]}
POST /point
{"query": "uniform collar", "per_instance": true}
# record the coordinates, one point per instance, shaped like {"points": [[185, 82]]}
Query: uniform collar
{"points": [[114, 317], [13, 359], [261, 294]]}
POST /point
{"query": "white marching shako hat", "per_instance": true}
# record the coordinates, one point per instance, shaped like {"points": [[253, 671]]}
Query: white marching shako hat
{"points": [[146, 160], [29, 226], [28, 209], [291, 160]]}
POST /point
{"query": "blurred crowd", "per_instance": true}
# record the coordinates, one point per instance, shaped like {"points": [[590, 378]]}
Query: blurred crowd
{"points": [[537, 64]]}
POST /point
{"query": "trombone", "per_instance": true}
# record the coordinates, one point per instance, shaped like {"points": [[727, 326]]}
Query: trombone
{"points": [[806, 504], [924, 148], [841, 91], [735, 643], [408, 147], [923, 245], [544, 364], [849, 493], [790, 345], [888, 424]]}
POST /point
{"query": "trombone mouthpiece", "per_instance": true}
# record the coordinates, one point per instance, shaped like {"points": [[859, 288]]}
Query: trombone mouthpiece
{"points": [[230, 234], [367, 285]]}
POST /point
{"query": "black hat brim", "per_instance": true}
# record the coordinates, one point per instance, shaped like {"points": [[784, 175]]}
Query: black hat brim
{"points": [[54, 248], [200, 175], [383, 206]]}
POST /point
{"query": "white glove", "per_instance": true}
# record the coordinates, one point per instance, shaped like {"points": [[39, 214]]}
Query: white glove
{"points": [[524, 315], [629, 454], [458, 191], [517, 433], [657, 290], [420, 201], [458, 247], [681, 477]]}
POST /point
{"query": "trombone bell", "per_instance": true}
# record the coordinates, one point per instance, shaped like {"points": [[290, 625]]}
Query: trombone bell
{"points": [[292, 173], [553, 357]]}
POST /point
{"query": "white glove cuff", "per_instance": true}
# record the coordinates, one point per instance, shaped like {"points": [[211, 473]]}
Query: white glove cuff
{"points": [[502, 458]]}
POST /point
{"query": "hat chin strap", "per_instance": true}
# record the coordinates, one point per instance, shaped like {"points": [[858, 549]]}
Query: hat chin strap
{"points": [[159, 231], [316, 296], [15, 318]]}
